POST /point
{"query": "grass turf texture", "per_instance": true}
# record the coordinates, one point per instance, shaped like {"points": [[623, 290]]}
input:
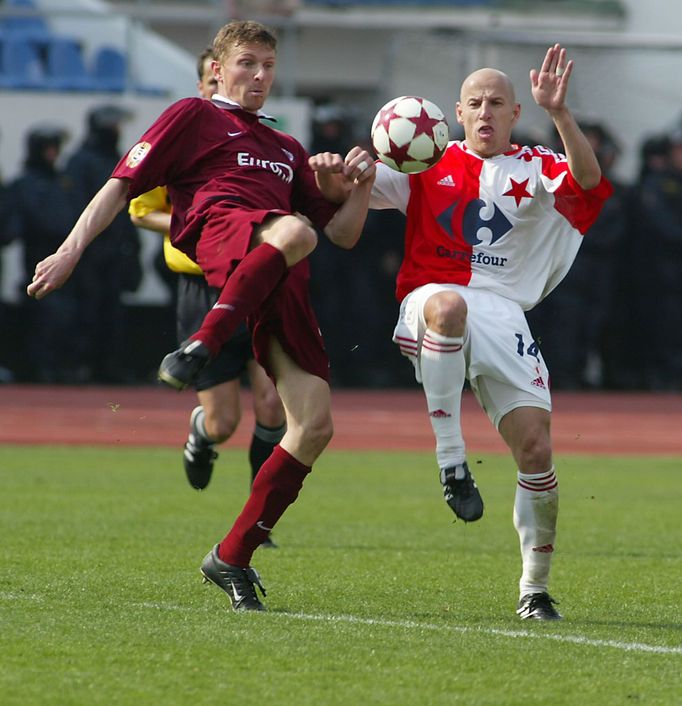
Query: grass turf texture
{"points": [[375, 596]]}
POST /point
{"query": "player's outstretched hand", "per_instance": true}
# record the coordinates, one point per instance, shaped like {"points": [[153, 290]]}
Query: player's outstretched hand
{"points": [[328, 168], [549, 85], [336, 176], [326, 163], [51, 273], [357, 166]]}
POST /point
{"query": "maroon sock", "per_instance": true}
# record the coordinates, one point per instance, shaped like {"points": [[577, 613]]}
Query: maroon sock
{"points": [[246, 289], [276, 486]]}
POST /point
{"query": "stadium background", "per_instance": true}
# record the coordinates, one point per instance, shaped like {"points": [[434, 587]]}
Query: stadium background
{"points": [[342, 60]]}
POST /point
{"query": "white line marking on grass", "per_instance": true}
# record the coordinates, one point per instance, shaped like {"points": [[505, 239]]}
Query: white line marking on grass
{"points": [[411, 625], [156, 605]]}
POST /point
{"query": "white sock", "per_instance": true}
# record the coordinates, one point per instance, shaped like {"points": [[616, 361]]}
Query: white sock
{"points": [[443, 371], [200, 426], [536, 507]]}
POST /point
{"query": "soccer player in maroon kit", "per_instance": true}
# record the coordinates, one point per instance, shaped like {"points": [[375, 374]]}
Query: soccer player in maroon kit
{"points": [[218, 413], [244, 197]]}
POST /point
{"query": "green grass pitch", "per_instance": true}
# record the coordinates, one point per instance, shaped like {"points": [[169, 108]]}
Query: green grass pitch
{"points": [[375, 596]]}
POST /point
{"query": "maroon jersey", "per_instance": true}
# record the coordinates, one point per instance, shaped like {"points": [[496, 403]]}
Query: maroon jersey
{"points": [[213, 152]]}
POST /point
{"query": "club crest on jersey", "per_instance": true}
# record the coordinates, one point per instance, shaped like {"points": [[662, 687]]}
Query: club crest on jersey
{"points": [[137, 154], [282, 170]]}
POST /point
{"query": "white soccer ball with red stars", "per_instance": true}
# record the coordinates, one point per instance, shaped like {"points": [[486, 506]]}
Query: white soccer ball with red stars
{"points": [[410, 134]]}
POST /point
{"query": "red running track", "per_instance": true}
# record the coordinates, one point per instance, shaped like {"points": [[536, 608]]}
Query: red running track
{"points": [[611, 423]]}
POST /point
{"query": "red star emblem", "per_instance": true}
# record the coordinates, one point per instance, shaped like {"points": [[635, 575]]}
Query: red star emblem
{"points": [[518, 191]]}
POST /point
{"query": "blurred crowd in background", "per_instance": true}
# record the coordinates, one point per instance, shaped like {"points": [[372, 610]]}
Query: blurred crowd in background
{"points": [[615, 322]]}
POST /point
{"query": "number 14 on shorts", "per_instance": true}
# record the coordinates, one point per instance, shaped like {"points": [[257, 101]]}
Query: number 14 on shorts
{"points": [[531, 349]]}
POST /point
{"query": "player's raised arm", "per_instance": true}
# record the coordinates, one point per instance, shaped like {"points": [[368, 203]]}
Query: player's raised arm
{"points": [[52, 272], [549, 86]]}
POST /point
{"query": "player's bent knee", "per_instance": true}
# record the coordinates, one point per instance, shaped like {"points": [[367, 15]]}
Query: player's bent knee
{"points": [[446, 313], [535, 454], [221, 428], [293, 237], [319, 433], [269, 410], [304, 238]]}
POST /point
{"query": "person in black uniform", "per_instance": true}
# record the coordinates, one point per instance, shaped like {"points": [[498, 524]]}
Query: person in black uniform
{"points": [[111, 266], [40, 204]]}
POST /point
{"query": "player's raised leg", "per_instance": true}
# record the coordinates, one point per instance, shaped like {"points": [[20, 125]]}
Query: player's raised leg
{"points": [[443, 370], [277, 244]]}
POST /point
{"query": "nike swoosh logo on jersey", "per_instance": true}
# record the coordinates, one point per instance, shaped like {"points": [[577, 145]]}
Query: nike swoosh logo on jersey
{"points": [[262, 526], [234, 134]]}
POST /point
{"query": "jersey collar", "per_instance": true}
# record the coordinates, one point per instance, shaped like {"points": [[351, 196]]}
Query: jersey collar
{"points": [[228, 103], [514, 148]]}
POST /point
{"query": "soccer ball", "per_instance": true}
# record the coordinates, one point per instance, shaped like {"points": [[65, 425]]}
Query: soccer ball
{"points": [[410, 134]]}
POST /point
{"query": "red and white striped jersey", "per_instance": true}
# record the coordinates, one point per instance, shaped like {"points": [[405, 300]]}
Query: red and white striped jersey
{"points": [[511, 224]]}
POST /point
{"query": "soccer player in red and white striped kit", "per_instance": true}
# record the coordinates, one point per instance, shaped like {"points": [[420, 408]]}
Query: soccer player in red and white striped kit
{"points": [[245, 201], [491, 229]]}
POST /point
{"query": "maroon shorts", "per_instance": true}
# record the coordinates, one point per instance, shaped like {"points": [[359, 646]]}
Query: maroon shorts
{"points": [[288, 315], [225, 238]]}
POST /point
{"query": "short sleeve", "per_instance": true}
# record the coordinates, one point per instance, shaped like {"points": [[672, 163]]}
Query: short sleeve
{"points": [[164, 149]]}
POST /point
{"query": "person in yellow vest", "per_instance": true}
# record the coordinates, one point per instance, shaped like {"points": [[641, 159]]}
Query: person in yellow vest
{"points": [[218, 414]]}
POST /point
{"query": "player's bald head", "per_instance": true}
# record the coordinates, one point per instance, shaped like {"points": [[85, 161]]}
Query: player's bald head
{"points": [[487, 110], [487, 80]]}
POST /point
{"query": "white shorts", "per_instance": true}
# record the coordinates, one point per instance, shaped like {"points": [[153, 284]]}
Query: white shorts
{"points": [[504, 365]]}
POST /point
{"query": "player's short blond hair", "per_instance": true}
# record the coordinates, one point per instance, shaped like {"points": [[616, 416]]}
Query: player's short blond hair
{"points": [[239, 33]]}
